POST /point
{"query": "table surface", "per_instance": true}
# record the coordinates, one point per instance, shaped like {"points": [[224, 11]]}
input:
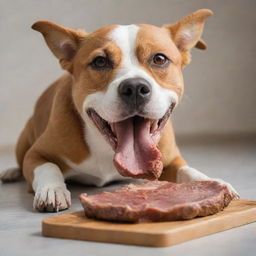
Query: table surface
{"points": [[231, 160]]}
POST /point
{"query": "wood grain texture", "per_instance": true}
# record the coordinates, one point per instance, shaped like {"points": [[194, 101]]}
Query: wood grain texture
{"points": [[77, 226]]}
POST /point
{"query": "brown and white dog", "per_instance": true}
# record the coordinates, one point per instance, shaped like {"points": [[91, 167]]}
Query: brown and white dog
{"points": [[108, 118]]}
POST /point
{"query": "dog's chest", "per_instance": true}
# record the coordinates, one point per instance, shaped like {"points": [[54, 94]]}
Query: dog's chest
{"points": [[98, 169]]}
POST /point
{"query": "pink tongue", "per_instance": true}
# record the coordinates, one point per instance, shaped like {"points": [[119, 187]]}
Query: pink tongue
{"points": [[136, 154]]}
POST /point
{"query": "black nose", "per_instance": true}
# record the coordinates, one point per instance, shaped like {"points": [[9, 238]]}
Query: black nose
{"points": [[135, 92]]}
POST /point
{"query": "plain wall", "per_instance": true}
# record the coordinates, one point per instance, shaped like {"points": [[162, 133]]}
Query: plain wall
{"points": [[220, 90]]}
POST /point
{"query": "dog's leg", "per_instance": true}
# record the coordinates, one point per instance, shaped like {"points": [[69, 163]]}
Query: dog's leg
{"points": [[10, 175], [188, 174], [180, 172], [48, 184], [170, 171], [51, 193]]}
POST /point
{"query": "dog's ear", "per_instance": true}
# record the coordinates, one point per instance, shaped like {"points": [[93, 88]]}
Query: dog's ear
{"points": [[201, 44], [187, 33], [63, 42]]}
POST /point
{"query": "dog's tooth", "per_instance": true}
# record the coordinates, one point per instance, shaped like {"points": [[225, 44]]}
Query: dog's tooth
{"points": [[154, 125], [112, 127]]}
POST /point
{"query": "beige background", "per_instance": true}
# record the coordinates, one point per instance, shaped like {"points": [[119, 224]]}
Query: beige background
{"points": [[220, 90]]}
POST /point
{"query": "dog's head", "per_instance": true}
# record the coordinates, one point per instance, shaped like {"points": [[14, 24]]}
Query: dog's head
{"points": [[127, 81]]}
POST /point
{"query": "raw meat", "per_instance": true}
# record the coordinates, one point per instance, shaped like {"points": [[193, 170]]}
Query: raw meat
{"points": [[158, 201]]}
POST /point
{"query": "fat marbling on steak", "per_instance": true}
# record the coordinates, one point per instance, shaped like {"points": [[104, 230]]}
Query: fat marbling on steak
{"points": [[158, 201]]}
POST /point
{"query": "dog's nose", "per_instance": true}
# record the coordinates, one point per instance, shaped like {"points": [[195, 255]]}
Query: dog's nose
{"points": [[135, 91]]}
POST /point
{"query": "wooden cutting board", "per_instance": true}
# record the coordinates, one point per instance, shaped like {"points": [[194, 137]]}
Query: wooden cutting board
{"points": [[76, 226]]}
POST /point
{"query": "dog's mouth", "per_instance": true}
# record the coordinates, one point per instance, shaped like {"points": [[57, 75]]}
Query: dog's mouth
{"points": [[134, 141]]}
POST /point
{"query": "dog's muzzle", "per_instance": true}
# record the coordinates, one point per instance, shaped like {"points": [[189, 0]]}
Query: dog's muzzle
{"points": [[135, 93]]}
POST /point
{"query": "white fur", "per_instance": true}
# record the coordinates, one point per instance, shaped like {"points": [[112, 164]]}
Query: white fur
{"points": [[51, 193], [187, 174], [98, 169]]}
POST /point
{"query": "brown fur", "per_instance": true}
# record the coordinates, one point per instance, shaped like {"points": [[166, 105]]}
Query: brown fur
{"points": [[151, 40]]}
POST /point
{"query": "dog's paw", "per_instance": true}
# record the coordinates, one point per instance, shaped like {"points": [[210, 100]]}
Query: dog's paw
{"points": [[10, 175], [188, 174], [231, 189], [52, 198]]}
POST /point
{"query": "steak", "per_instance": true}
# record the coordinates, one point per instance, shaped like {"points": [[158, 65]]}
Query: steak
{"points": [[158, 201]]}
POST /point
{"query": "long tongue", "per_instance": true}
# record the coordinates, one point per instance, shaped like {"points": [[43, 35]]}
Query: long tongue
{"points": [[136, 155]]}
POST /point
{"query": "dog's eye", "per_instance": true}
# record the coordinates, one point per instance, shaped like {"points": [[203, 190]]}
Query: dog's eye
{"points": [[101, 62], [160, 60]]}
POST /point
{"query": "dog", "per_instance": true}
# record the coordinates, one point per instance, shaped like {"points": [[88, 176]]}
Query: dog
{"points": [[108, 117]]}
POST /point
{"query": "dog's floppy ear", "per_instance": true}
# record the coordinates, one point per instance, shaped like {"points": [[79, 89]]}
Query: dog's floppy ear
{"points": [[187, 33], [201, 44], [63, 42]]}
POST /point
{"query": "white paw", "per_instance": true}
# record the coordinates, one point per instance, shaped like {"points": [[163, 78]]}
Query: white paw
{"points": [[231, 189], [10, 175], [188, 174], [52, 198]]}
